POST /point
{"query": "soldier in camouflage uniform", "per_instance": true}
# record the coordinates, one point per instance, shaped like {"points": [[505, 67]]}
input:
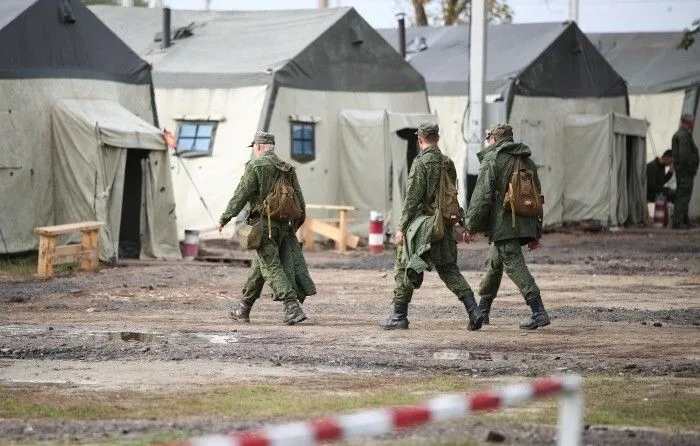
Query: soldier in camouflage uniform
{"points": [[420, 194], [487, 214], [294, 266], [685, 159], [255, 185]]}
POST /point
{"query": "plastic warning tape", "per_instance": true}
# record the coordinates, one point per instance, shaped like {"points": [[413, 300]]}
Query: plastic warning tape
{"points": [[384, 421]]}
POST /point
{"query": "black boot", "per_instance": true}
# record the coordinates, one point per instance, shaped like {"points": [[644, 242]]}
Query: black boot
{"points": [[485, 306], [293, 313], [398, 319], [538, 318], [476, 317], [241, 313]]}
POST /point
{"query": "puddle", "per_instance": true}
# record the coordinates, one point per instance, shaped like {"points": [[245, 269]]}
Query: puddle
{"points": [[218, 338], [110, 336], [134, 336], [454, 355]]}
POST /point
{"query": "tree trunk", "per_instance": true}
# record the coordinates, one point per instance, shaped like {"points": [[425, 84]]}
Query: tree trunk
{"points": [[419, 16]]}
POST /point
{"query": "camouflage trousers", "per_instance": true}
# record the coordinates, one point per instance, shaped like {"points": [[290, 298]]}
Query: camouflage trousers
{"points": [[508, 255], [285, 254], [448, 272], [684, 189]]}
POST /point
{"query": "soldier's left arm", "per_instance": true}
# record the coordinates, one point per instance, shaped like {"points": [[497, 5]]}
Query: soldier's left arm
{"points": [[245, 191], [415, 195]]}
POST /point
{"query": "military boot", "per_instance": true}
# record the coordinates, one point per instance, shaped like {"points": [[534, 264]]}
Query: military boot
{"points": [[476, 317], [485, 307], [398, 319], [241, 313], [538, 318], [293, 314]]}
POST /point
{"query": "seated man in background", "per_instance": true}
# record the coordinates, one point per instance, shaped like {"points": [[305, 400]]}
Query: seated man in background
{"points": [[657, 177]]}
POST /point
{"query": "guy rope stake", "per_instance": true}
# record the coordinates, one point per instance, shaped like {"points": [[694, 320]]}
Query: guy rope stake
{"points": [[383, 421]]}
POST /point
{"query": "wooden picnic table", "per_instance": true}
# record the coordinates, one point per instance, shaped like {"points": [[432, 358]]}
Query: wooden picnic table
{"points": [[327, 227]]}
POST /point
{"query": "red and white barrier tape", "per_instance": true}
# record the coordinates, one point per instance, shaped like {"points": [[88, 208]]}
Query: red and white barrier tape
{"points": [[383, 421]]}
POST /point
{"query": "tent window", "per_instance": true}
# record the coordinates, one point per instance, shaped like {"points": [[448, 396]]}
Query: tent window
{"points": [[195, 138], [303, 141]]}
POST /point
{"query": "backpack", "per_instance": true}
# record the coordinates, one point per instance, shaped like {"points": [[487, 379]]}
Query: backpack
{"points": [[282, 202], [445, 205], [522, 197]]}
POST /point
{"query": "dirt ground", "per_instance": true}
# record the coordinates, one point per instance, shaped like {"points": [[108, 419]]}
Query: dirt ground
{"points": [[623, 303]]}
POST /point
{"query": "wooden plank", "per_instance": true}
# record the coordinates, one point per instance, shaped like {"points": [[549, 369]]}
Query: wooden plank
{"points": [[351, 240], [70, 227], [343, 229], [90, 244], [47, 245], [67, 253], [331, 207], [326, 230]]}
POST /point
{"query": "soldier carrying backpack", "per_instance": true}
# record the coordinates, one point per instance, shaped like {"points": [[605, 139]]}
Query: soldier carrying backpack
{"points": [[430, 210], [271, 188], [507, 205]]}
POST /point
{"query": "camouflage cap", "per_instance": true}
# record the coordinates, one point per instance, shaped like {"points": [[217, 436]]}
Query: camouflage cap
{"points": [[428, 128], [263, 138], [502, 130]]}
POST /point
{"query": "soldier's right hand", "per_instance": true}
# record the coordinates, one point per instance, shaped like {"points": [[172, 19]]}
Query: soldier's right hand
{"points": [[399, 238]]}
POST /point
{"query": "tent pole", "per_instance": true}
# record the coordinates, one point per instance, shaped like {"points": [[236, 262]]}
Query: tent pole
{"points": [[477, 68]]}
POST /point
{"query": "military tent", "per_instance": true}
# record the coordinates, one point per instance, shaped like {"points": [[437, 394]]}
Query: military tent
{"points": [[78, 141], [536, 75], [663, 83], [291, 73]]}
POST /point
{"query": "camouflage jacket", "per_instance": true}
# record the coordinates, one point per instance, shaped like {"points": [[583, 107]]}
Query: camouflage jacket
{"points": [[256, 183], [486, 212], [420, 194], [685, 152]]}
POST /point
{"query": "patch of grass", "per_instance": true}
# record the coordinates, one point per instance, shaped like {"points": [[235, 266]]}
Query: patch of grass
{"points": [[666, 403], [18, 266]]}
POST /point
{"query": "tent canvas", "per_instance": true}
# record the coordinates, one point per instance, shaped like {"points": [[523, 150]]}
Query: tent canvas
{"points": [[604, 166], [374, 159], [91, 139], [291, 68]]}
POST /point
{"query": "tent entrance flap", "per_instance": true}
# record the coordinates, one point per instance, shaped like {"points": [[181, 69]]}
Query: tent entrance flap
{"points": [[409, 135], [129, 227], [604, 167], [374, 161], [99, 174]]}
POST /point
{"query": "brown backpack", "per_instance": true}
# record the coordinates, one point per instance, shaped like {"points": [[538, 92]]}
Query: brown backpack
{"points": [[445, 205], [282, 202], [522, 197]]}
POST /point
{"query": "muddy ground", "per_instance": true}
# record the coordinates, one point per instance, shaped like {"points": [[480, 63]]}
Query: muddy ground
{"points": [[622, 304]]}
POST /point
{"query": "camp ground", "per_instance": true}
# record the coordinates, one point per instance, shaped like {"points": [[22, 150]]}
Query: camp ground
{"points": [[300, 75], [78, 134], [663, 82], [537, 75]]}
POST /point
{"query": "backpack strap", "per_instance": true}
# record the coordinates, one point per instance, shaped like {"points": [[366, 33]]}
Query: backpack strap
{"points": [[269, 219]]}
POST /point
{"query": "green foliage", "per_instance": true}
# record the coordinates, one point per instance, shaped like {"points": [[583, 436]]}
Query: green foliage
{"points": [[689, 36]]}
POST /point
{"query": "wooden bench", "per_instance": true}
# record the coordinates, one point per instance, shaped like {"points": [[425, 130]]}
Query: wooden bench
{"points": [[326, 228], [87, 252]]}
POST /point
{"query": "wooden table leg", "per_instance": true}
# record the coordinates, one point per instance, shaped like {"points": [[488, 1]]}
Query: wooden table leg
{"points": [[47, 247], [343, 226], [308, 235], [90, 244]]}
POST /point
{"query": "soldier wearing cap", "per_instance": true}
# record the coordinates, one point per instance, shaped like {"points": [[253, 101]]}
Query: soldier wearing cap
{"points": [[686, 159], [278, 239], [487, 214], [423, 181]]}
